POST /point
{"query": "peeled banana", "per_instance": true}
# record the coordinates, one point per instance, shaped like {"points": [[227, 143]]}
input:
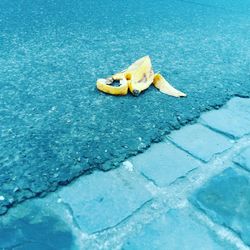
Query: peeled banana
{"points": [[136, 78]]}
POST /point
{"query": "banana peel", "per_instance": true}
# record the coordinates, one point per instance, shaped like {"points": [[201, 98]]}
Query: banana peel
{"points": [[105, 85], [165, 87], [140, 75], [137, 78]]}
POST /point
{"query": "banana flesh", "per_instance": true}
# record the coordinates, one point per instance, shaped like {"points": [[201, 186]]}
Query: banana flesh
{"points": [[136, 78]]}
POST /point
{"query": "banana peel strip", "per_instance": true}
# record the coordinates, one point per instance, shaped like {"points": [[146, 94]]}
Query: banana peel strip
{"points": [[137, 78], [105, 86], [165, 87]]}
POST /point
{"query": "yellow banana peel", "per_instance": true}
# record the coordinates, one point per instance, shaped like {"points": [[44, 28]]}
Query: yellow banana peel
{"points": [[140, 75], [165, 87], [105, 85], [136, 78]]}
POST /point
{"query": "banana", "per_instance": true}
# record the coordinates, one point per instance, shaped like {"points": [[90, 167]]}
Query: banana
{"points": [[165, 87], [136, 78], [105, 85], [140, 75]]}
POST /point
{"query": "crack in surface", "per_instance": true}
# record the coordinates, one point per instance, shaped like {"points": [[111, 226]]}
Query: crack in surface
{"points": [[146, 203], [185, 150]]}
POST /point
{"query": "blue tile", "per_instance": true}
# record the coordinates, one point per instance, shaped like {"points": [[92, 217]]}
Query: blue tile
{"points": [[103, 199], [200, 141], [34, 228], [240, 105], [233, 120], [226, 199], [174, 230], [243, 158], [163, 163]]}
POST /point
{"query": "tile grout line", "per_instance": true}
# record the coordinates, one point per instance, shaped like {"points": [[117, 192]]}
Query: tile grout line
{"points": [[171, 196]]}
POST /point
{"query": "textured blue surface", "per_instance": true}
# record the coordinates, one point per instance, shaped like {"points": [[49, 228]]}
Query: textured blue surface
{"points": [[35, 229], [230, 120], [164, 163], [200, 141], [174, 230], [121, 209], [226, 198], [103, 200], [55, 125], [243, 158]]}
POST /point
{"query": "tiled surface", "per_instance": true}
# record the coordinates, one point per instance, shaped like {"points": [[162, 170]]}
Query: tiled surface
{"points": [[164, 163], [39, 224], [174, 230], [200, 141], [102, 200], [230, 120], [243, 158], [226, 198], [141, 205]]}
